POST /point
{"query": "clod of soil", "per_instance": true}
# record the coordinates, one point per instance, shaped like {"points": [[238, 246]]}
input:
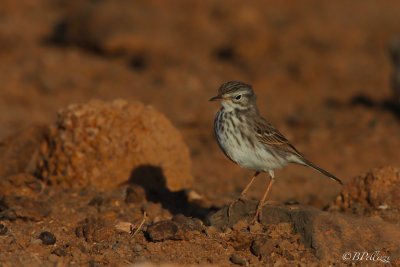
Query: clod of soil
{"points": [[108, 144], [373, 193]]}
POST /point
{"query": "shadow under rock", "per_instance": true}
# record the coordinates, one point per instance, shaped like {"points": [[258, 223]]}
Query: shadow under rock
{"points": [[152, 180]]}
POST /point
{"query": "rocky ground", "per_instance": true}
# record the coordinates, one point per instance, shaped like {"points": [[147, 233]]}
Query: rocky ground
{"points": [[107, 150]]}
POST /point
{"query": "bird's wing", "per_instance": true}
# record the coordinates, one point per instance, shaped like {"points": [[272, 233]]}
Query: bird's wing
{"points": [[267, 134]]}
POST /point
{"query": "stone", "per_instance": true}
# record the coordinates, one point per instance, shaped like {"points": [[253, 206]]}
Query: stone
{"points": [[47, 238], [60, 251], [179, 227], [138, 248], [95, 230], [106, 144], [162, 230], [238, 260], [327, 233], [124, 227], [25, 208], [374, 193]]}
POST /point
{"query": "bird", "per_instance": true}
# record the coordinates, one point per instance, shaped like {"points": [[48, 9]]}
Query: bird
{"points": [[252, 142]]}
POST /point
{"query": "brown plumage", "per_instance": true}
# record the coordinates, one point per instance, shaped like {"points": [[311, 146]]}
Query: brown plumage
{"points": [[250, 140]]}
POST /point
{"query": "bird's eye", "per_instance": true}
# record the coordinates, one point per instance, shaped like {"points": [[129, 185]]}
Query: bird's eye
{"points": [[238, 97]]}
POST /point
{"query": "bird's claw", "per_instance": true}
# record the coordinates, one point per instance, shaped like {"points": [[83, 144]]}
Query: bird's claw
{"points": [[258, 216]]}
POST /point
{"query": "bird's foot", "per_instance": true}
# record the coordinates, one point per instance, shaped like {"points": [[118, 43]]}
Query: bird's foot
{"points": [[230, 207], [258, 216]]}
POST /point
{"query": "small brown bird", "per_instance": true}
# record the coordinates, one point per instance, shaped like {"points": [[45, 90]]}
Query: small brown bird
{"points": [[251, 141]]}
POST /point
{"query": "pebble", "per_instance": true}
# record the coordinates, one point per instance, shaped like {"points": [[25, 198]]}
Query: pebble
{"points": [[47, 238], [3, 229], [162, 230], [188, 224], [138, 248], [238, 259], [124, 227], [60, 251]]}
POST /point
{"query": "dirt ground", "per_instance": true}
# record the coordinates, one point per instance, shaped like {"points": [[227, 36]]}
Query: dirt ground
{"points": [[76, 182]]}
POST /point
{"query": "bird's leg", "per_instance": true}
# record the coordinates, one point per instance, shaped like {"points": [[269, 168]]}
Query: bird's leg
{"points": [[241, 196], [260, 205]]}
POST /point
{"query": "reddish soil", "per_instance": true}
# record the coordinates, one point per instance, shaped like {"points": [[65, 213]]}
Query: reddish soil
{"points": [[323, 76]]}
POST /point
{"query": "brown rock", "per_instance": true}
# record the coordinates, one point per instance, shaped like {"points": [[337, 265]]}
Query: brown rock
{"points": [[241, 210], [179, 228], [47, 238], [374, 193], [95, 230], [107, 144], [60, 251], [25, 208], [162, 230], [332, 234], [18, 152], [188, 224], [124, 227], [329, 234], [238, 260], [187, 227]]}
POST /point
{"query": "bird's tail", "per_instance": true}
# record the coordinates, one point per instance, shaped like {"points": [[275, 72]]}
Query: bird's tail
{"points": [[326, 173]]}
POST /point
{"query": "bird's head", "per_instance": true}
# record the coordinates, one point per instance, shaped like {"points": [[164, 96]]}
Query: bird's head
{"points": [[235, 95]]}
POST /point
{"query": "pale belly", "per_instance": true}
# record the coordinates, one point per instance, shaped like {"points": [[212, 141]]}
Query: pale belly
{"points": [[245, 155]]}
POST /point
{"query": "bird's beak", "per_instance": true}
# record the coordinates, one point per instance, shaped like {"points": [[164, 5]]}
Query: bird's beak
{"points": [[218, 97]]}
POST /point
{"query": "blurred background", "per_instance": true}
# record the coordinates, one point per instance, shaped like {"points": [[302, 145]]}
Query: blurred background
{"points": [[322, 71]]}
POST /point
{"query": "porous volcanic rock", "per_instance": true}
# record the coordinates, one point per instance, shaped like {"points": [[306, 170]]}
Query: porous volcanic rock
{"points": [[108, 144], [375, 193]]}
